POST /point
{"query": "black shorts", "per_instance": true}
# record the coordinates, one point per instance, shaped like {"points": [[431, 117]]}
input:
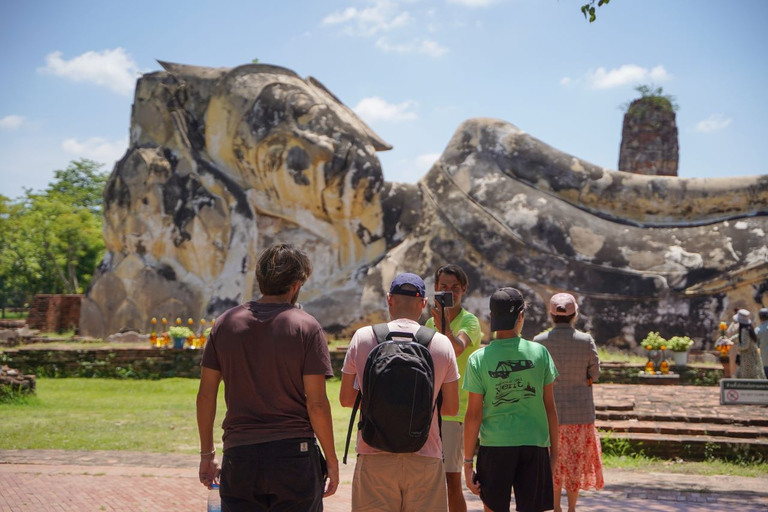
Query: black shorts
{"points": [[524, 468], [281, 475]]}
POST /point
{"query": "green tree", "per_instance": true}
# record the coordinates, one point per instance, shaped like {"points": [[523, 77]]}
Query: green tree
{"points": [[51, 240], [83, 182]]}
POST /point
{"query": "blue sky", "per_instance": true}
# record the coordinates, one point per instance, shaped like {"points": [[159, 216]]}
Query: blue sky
{"points": [[413, 69]]}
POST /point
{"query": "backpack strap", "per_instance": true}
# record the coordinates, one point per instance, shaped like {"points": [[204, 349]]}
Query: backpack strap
{"points": [[358, 398], [424, 335], [380, 332]]}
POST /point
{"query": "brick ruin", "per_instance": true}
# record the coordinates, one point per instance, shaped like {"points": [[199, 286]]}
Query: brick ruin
{"points": [[54, 313], [649, 142]]}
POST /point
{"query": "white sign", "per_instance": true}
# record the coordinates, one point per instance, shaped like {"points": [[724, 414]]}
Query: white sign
{"points": [[743, 391]]}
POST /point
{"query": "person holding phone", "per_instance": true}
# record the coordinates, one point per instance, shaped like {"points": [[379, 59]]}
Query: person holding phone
{"points": [[463, 330]]}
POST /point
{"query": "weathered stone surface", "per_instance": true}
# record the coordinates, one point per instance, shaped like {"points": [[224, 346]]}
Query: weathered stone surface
{"points": [[649, 138], [220, 163], [224, 162], [641, 253]]}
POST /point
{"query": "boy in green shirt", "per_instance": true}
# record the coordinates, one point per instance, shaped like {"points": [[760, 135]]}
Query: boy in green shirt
{"points": [[463, 330], [512, 407]]}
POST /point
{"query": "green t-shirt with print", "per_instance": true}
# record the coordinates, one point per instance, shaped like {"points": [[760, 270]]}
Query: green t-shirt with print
{"points": [[467, 323], [511, 374]]}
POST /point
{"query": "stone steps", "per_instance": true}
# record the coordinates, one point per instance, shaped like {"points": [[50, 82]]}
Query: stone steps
{"points": [[649, 425], [623, 415], [675, 428]]}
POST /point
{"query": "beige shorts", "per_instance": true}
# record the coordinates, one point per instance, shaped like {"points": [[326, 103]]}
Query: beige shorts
{"points": [[403, 482], [453, 446]]}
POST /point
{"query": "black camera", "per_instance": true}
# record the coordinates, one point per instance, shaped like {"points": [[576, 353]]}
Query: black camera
{"points": [[444, 299]]}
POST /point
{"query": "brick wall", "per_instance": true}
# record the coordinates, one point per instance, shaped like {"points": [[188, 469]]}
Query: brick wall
{"points": [[136, 363], [149, 363], [53, 313]]}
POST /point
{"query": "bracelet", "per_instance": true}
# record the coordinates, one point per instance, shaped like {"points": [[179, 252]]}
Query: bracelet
{"points": [[212, 452], [469, 461]]}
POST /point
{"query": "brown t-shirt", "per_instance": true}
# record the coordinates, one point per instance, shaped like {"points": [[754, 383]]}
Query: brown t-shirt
{"points": [[263, 351]]}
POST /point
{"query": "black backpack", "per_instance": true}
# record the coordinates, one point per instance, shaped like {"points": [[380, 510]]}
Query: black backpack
{"points": [[399, 383]]}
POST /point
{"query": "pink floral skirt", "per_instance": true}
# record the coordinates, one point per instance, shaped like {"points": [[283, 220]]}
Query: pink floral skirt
{"points": [[580, 459]]}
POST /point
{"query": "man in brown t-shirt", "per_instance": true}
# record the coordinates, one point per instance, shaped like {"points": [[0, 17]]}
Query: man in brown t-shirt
{"points": [[273, 358]]}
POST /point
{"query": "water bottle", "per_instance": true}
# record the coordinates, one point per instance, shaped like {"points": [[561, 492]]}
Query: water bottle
{"points": [[214, 499]]}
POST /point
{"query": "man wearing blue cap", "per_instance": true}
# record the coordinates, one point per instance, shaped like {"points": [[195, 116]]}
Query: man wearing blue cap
{"points": [[410, 481]]}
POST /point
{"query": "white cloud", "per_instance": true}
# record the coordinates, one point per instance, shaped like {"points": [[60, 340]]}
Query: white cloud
{"points": [[382, 16], [377, 109], [628, 74], [410, 169], [97, 148], [473, 3], [713, 123], [115, 69], [425, 162], [566, 80], [421, 46], [11, 122]]}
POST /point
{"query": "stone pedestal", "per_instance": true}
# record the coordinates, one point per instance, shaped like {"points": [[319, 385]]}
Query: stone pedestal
{"points": [[670, 379]]}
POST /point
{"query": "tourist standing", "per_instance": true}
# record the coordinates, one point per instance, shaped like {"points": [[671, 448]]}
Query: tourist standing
{"points": [[750, 365], [410, 481], [579, 462], [512, 407], [463, 330], [273, 358], [762, 337]]}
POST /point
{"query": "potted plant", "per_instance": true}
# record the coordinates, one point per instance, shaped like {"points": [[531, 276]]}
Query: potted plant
{"points": [[654, 344], [180, 335], [680, 345]]}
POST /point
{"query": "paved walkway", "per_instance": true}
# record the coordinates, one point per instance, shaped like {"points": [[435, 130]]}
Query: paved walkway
{"points": [[57, 480]]}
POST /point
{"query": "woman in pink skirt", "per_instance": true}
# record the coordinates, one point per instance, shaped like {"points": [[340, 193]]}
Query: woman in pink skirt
{"points": [[579, 464]]}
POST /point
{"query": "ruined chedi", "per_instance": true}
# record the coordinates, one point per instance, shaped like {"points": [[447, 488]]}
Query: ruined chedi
{"points": [[649, 135]]}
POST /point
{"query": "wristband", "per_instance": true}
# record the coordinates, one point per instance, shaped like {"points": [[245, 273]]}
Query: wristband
{"points": [[212, 452]]}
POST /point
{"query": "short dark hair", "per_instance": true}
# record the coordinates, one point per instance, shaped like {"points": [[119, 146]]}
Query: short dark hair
{"points": [[454, 270], [563, 319], [281, 265]]}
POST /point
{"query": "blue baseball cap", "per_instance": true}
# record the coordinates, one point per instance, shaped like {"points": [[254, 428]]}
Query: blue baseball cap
{"points": [[396, 288]]}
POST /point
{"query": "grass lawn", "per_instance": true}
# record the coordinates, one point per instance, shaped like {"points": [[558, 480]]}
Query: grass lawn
{"points": [[106, 414], [159, 416], [710, 467]]}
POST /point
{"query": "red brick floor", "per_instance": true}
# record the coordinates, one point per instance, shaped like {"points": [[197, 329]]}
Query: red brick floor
{"points": [[43, 480]]}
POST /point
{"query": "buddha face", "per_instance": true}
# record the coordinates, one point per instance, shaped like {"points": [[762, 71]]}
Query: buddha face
{"points": [[298, 150]]}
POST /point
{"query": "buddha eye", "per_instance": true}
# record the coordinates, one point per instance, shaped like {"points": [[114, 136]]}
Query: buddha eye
{"points": [[300, 104]]}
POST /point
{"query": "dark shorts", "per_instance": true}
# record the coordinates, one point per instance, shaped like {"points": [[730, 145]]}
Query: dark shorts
{"points": [[524, 468], [279, 476]]}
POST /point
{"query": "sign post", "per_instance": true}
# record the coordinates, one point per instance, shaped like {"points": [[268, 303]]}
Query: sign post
{"points": [[743, 392]]}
